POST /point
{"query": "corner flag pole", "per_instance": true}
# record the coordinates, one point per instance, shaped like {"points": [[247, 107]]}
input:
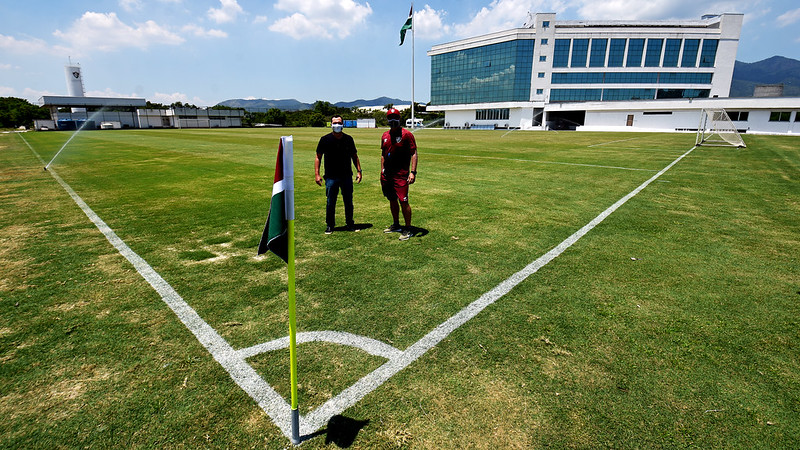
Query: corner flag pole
{"points": [[413, 70], [288, 165]]}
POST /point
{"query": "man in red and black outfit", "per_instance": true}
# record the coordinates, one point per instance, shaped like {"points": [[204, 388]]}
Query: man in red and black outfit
{"points": [[398, 171]]}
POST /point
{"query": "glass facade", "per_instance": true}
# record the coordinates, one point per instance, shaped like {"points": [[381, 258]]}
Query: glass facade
{"points": [[575, 95], [690, 47], [608, 95], [630, 78], [611, 95], [635, 49], [672, 51], [492, 73], [580, 49], [652, 56], [616, 52], [597, 57], [708, 56], [561, 52]]}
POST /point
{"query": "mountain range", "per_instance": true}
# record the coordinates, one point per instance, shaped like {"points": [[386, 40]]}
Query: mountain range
{"points": [[775, 70], [746, 76]]}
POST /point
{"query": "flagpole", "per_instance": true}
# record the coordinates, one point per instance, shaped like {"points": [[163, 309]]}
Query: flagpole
{"points": [[287, 143], [413, 70], [293, 339]]}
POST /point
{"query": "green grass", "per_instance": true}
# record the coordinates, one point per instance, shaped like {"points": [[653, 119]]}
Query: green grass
{"points": [[674, 323]]}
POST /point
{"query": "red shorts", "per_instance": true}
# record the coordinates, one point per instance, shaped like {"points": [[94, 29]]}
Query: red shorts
{"points": [[395, 186]]}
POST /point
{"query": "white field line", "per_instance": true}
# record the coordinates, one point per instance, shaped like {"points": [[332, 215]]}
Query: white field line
{"points": [[350, 396], [273, 404], [613, 142], [241, 372], [538, 162]]}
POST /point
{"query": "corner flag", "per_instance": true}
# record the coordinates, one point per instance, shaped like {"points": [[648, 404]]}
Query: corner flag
{"points": [[278, 237], [407, 25], [275, 237]]}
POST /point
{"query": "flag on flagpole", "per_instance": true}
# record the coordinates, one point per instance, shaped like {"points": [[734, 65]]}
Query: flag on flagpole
{"points": [[278, 237], [407, 25], [275, 237]]}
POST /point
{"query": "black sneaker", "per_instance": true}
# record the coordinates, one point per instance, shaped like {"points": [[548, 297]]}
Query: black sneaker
{"points": [[328, 230], [406, 235], [395, 228]]}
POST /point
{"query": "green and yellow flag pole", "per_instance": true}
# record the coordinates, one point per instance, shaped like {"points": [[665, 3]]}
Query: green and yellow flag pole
{"points": [[293, 340], [278, 237]]}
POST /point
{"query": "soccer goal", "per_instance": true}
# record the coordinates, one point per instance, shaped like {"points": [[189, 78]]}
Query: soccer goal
{"points": [[717, 129]]}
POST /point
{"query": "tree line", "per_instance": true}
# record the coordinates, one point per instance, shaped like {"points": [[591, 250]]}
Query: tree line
{"points": [[17, 112]]}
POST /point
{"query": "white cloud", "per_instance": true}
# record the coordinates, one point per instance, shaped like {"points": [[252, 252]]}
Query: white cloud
{"points": [[109, 93], [169, 99], [6, 66], [227, 13], [428, 24], [260, 19], [312, 19], [202, 32], [105, 32], [505, 14], [130, 5], [30, 46], [789, 18], [666, 9]]}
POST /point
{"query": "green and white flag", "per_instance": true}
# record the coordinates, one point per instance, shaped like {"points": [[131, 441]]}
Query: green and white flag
{"points": [[407, 25], [281, 209]]}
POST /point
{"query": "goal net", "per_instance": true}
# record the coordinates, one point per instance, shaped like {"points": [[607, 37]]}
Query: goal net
{"points": [[717, 129]]}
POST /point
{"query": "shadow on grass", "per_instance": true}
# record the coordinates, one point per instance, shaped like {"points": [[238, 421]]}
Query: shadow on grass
{"points": [[358, 227], [341, 431]]}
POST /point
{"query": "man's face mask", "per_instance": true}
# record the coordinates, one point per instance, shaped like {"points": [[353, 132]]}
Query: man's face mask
{"points": [[337, 127], [394, 123]]}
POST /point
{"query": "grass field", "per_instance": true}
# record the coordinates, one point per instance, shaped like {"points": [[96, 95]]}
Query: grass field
{"points": [[673, 323]]}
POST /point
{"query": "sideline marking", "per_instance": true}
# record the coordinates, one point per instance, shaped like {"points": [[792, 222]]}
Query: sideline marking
{"points": [[270, 401], [539, 162]]}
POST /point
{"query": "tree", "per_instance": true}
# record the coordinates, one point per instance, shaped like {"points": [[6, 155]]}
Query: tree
{"points": [[17, 112]]}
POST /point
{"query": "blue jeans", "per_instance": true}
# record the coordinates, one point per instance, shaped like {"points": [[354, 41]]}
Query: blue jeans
{"points": [[332, 187]]}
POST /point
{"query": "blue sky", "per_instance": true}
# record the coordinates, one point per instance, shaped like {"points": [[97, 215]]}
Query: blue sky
{"points": [[207, 51]]}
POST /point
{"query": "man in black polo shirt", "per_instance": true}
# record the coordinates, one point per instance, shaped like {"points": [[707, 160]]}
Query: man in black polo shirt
{"points": [[338, 150]]}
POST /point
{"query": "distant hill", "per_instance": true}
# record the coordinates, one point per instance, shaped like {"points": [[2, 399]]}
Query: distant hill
{"points": [[775, 70], [296, 105]]}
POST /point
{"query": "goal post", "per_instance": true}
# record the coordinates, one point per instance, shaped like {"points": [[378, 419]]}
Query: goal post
{"points": [[717, 129]]}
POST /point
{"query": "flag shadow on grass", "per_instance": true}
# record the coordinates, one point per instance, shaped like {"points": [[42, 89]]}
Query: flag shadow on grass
{"points": [[341, 431]]}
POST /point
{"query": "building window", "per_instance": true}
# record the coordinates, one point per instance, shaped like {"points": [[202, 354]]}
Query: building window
{"points": [[545, 24], [635, 49], [491, 73], [631, 77], [672, 51], [796, 116], [492, 114], [628, 94], [739, 116], [685, 78], [540, 75], [577, 78], [708, 54], [683, 93], [561, 53], [616, 52], [690, 47], [597, 57], [653, 54], [539, 91], [544, 41], [580, 50], [780, 116], [575, 95], [542, 58]]}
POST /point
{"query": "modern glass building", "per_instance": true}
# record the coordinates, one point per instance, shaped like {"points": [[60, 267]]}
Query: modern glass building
{"points": [[524, 73]]}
